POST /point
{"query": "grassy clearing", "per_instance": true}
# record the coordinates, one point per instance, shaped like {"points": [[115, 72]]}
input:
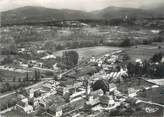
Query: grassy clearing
{"points": [[135, 83], [16, 113], [154, 95], [144, 52], [6, 102], [90, 51]]}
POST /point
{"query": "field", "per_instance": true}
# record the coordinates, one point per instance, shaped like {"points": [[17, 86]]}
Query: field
{"points": [[90, 51], [8, 101], [16, 113], [135, 83], [72, 38], [144, 52], [154, 95]]}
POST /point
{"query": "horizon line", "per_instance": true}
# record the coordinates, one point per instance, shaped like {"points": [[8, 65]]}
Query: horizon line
{"points": [[69, 8]]}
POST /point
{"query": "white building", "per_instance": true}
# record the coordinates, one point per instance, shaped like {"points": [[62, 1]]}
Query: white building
{"points": [[55, 67], [111, 102], [77, 95], [48, 57], [93, 59], [24, 106], [139, 61]]}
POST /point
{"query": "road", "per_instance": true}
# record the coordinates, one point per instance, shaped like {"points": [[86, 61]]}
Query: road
{"points": [[44, 69], [151, 103]]}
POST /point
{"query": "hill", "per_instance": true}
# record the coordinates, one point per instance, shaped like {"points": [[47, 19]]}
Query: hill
{"points": [[119, 12], [40, 14]]}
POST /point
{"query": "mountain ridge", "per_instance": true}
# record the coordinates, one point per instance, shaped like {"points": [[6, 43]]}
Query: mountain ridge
{"points": [[37, 13]]}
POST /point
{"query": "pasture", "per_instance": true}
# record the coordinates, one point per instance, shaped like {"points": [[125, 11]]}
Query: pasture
{"points": [[8, 101], [144, 52], [90, 51]]}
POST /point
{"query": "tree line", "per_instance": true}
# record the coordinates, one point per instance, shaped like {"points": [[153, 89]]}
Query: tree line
{"points": [[17, 83], [154, 67]]}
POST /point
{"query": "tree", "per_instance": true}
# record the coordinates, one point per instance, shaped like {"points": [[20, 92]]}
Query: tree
{"points": [[7, 60], [70, 58], [125, 43], [27, 77], [13, 47], [87, 108], [131, 68], [55, 77], [125, 57], [14, 79], [157, 57], [161, 70], [146, 67], [19, 80], [59, 47], [1, 79], [50, 46], [10, 47], [12, 102], [101, 84], [23, 92], [37, 75], [138, 69], [7, 86]]}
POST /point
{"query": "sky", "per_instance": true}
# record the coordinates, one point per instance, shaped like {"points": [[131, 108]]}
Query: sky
{"points": [[86, 5]]}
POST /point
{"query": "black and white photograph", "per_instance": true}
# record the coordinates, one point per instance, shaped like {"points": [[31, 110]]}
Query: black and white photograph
{"points": [[81, 58]]}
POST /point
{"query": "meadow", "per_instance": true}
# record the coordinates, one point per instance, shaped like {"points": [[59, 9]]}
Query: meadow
{"points": [[73, 37], [144, 52], [90, 51]]}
